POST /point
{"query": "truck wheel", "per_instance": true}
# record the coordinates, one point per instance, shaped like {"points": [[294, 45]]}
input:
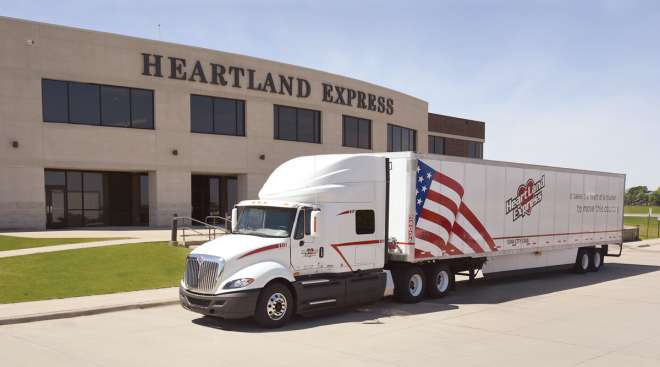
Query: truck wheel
{"points": [[583, 261], [440, 280], [409, 284], [596, 259], [275, 306]]}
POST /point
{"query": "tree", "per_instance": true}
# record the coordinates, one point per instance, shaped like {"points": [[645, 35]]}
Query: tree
{"points": [[654, 197], [637, 195]]}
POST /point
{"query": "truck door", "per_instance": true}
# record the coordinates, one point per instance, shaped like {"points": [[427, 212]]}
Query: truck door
{"points": [[305, 251]]}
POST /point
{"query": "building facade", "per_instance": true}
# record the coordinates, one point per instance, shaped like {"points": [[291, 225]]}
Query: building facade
{"points": [[106, 130]]}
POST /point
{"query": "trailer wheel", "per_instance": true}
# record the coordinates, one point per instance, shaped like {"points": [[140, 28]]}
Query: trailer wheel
{"points": [[583, 261], [440, 280], [274, 307], [409, 284], [596, 261]]}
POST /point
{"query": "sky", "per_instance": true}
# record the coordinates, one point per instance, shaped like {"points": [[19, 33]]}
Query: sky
{"points": [[561, 83]]}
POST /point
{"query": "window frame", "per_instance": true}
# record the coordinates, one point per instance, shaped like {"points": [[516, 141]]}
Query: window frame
{"points": [[236, 101], [478, 149], [100, 99], [317, 129], [402, 129], [358, 120]]}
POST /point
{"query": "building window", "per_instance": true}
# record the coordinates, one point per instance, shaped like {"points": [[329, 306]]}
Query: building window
{"points": [[437, 145], [401, 139], [215, 115], [356, 132], [365, 221], [475, 149], [297, 124], [95, 104]]}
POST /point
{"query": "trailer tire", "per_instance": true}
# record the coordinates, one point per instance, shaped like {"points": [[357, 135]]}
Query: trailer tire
{"points": [[275, 306], [409, 284], [583, 261], [440, 280], [596, 260]]}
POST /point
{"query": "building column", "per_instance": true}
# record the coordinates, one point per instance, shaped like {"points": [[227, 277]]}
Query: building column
{"points": [[169, 195], [249, 185], [22, 197]]}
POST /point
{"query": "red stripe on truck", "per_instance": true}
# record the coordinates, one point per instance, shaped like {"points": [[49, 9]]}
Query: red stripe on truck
{"points": [[262, 249], [336, 246]]}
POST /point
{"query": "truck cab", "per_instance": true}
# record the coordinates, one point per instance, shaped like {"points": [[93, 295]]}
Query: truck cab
{"points": [[314, 239]]}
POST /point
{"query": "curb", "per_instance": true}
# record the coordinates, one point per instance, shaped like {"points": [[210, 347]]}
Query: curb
{"points": [[83, 312]]}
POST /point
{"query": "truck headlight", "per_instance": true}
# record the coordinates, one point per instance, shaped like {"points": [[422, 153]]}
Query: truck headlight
{"points": [[239, 283]]}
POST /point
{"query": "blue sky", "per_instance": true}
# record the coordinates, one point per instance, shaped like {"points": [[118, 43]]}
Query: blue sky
{"points": [[565, 83]]}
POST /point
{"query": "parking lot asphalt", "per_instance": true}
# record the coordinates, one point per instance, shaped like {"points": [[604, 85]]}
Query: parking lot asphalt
{"points": [[555, 318]]}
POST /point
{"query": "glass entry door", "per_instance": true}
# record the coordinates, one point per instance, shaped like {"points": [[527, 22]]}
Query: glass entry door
{"points": [[213, 196]]}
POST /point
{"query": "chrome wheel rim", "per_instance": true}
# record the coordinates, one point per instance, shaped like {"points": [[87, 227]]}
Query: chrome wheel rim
{"points": [[442, 281], [596, 259], [276, 306], [584, 261], [415, 285]]}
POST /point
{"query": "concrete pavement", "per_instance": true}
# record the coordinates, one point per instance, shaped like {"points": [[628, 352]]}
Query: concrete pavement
{"points": [[552, 319], [131, 236]]}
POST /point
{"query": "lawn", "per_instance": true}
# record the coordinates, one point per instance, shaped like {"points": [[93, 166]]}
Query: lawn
{"points": [[91, 271], [15, 243], [642, 223], [630, 209]]}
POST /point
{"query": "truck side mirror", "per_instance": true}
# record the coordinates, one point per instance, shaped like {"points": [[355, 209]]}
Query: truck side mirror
{"points": [[234, 219], [314, 225]]}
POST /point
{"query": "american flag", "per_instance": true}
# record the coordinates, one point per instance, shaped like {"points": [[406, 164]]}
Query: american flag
{"points": [[444, 223]]}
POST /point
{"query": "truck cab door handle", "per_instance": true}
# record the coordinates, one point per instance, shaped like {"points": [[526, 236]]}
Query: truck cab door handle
{"points": [[302, 243]]}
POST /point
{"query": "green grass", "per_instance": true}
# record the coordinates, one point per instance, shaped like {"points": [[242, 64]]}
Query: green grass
{"points": [[15, 243], [642, 223], [630, 209], [91, 271]]}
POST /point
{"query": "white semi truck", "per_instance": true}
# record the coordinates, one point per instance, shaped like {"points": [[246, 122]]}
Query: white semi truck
{"points": [[337, 230]]}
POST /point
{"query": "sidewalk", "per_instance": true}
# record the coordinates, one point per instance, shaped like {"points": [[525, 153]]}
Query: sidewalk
{"points": [[15, 313], [132, 236]]}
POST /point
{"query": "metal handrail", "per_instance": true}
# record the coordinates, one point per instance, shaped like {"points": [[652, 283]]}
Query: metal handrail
{"points": [[209, 230], [215, 219]]}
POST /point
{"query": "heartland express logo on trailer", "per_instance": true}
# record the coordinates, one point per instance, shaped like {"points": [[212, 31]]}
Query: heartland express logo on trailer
{"points": [[527, 197]]}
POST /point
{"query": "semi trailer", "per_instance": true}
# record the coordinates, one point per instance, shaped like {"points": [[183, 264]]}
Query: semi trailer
{"points": [[331, 231]]}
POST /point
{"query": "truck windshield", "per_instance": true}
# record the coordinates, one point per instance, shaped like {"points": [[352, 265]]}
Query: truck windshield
{"points": [[265, 221]]}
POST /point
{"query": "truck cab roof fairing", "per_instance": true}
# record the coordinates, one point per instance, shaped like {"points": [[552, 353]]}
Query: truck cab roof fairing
{"points": [[325, 178]]}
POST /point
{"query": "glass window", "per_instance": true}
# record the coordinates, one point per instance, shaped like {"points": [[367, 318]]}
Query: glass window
{"points": [[93, 190], [201, 114], [142, 108], [401, 139], [93, 104], [365, 221], [116, 106], [286, 123], [436, 144], [224, 116], [215, 115], [84, 103], [55, 100], [297, 124], [306, 126], [475, 149], [357, 132], [55, 178], [265, 221], [300, 226]]}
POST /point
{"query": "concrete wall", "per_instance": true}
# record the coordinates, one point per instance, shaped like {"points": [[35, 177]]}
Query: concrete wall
{"points": [[30, 51]]}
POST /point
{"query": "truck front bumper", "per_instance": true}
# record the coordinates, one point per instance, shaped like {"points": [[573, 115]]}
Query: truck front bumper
{"points": [[235, 305]]}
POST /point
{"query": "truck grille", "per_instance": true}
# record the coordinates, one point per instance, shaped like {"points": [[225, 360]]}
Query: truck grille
{"points": [[202, 273]]}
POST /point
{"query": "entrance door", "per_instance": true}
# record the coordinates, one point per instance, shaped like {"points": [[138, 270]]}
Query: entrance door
{"points": [[55, 208], [213, 196]]}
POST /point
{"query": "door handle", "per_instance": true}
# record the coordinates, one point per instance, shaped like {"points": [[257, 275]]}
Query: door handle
{"points": [[302, 243]]}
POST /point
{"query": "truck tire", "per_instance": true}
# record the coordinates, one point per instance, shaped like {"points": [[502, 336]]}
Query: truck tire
{"points": [[583, 261], [275, 306], [439, 280], [596, 260], [409, 284]]}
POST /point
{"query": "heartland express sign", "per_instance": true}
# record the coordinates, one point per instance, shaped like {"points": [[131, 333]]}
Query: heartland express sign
{"points": [[238, 77]]}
